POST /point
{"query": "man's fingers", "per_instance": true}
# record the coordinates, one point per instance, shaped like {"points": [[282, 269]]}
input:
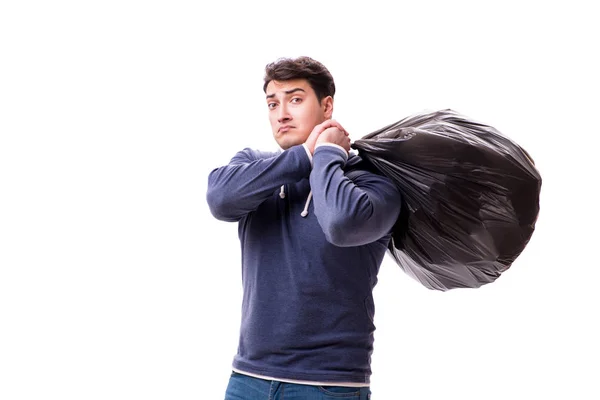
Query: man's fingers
{"points": [[332, 129], [323, 126], [329, 124]]}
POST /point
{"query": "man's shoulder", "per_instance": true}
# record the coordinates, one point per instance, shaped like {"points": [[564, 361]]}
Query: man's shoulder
{"points": [[358, 168], [357, 165]]}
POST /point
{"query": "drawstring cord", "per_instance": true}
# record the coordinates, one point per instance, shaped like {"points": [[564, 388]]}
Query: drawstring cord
{"points": [[304, 212]]}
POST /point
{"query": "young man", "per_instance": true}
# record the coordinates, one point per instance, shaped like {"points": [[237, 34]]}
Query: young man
{"points": [[314, 224]]}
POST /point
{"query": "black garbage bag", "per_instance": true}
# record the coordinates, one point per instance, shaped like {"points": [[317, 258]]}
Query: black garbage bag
{"points": [[470, 197]]}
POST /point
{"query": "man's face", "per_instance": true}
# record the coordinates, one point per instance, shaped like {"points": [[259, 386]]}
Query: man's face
{"points": [[294, 111]]}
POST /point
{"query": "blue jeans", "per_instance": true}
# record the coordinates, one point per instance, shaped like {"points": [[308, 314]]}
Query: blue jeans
{"points": [[244, 387]]}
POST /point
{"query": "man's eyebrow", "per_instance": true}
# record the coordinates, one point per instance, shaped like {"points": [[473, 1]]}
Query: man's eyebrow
{"points": [[270, 96]]}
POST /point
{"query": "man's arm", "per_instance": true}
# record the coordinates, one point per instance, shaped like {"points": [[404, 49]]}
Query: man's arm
{"points": [[351, 212], [238, 188]]}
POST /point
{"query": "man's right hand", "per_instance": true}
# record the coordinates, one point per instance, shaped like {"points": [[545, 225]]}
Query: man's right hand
{"points": [[314, 135]]}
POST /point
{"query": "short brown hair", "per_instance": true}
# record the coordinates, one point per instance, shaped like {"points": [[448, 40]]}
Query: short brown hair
{"points": [[285, 69]]}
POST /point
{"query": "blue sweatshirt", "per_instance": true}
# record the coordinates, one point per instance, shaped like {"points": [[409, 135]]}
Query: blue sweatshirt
{"points": [[307, 311]]}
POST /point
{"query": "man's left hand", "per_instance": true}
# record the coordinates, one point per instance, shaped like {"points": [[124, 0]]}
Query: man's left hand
{"points": [[335, 135]]}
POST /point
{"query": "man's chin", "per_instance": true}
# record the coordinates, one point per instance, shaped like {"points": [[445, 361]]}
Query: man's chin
{"points": [[288, 143]]}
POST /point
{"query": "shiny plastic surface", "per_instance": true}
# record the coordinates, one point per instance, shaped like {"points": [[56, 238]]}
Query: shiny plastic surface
{"points": [[470, 197]]}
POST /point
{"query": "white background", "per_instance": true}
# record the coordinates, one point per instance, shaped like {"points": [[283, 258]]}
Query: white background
{"points": [[117, 283]]}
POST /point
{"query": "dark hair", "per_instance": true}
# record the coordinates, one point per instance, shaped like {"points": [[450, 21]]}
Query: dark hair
{"points": [[285, 69]]}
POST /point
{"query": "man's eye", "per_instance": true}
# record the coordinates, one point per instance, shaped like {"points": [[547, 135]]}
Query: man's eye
{"points": [[297, 99], [271, 105]]}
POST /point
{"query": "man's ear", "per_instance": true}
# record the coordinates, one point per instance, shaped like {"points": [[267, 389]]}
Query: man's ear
{"points": [[327, 106]]}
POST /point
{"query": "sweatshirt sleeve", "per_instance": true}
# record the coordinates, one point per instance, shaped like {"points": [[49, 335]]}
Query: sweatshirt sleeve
{"points": [[239, 187], [351, 212]]}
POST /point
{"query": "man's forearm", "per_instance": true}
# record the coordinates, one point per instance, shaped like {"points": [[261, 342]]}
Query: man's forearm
{"points": [[240, 187], [355, 211]]}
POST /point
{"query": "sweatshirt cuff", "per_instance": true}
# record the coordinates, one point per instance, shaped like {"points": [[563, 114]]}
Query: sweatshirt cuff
{"points": [[336, 146], [308, 153]]}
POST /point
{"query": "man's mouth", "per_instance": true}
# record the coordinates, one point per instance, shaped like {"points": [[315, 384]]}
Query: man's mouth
{"points": [[285, 128]]}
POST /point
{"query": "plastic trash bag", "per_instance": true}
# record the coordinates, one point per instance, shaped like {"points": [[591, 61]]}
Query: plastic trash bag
{"points": [[470, 197]]}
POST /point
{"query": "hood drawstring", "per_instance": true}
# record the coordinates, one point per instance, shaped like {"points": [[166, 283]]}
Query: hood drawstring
{"points": [[304, 212]]}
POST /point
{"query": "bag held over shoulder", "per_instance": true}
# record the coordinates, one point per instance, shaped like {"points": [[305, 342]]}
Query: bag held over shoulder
{"points": [[470, 197]]}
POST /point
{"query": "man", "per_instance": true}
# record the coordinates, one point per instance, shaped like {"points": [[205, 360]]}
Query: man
{"points": [[314, 224]]}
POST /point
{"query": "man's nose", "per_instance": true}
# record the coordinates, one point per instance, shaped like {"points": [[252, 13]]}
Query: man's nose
{"points": [[284, 115]]}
